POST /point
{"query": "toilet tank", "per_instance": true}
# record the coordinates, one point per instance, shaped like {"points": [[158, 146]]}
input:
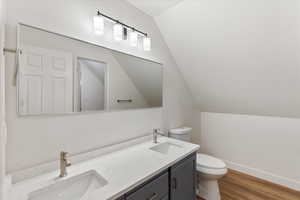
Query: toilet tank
{"points": [[183, 133]]}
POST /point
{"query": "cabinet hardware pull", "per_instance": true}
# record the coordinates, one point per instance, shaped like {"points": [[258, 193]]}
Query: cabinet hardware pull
{"points": [[154, 195], [174, 183]]}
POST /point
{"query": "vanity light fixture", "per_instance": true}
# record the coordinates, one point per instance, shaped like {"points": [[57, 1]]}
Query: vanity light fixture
{"points": [[147, 44], [133, 38], [99, 24], [120, 31]]}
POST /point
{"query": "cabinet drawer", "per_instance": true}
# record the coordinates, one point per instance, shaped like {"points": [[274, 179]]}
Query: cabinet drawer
{"points": [[155, 190]]}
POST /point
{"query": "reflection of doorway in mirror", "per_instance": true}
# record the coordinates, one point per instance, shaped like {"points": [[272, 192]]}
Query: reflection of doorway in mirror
{"points": [[45, 81], [92, 85]]}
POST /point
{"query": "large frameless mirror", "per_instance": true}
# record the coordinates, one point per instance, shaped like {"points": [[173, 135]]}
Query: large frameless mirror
{"points": [[58, 75]]}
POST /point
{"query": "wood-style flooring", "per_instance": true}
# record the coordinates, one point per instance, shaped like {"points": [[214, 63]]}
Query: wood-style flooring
{"points": [[239, 186]]}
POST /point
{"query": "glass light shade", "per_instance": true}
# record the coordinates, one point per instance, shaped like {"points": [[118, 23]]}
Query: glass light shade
{"points": [[134, 38], [98, 25], [147, 44], [118, 32]]}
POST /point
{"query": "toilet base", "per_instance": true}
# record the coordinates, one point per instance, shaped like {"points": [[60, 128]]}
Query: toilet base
{"points": [[209, 190]]}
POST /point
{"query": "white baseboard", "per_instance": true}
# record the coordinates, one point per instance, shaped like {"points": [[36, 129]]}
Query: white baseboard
{"points": [[286, 182]]}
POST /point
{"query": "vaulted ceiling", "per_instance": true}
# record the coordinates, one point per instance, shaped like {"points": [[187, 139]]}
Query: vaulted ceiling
{"points": [[237, 56], [154, 7]]}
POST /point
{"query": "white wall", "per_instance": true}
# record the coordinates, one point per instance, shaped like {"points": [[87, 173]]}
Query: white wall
{"points": [[121, 86], [92, 85], [154, 7], [267, 147], [44, 137], [146, 76], [2, 99], [241, 56], [238, 56]]}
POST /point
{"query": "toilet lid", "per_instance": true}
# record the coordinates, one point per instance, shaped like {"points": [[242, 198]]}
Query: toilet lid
{"points": [[180, 131], [209, 162]]}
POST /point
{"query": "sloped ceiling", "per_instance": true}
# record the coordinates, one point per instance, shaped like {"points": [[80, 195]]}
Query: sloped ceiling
{"points": [[238, 56], [95, 67], [153, 7], [147, 77]]}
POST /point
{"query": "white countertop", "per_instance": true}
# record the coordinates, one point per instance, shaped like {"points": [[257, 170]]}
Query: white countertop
{"points": [[124, 170]]}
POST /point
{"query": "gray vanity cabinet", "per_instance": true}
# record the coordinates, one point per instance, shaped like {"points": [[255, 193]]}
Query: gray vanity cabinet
{"points": [[156, 189], [183, 180], [176, 183]]}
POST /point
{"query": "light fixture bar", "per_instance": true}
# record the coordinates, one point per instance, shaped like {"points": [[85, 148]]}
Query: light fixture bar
{"points": [[123, 24]]}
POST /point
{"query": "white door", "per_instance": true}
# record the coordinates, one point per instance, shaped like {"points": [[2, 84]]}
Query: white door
{"points": [[93, 84], [45, 81]]}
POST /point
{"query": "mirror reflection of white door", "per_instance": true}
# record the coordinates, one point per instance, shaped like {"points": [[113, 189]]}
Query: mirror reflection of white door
{"points": [[93, 89], [45, 81]]}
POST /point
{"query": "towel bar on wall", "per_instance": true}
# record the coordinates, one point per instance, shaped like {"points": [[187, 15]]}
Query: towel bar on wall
{"points": [[10, 50], [124, 100]]}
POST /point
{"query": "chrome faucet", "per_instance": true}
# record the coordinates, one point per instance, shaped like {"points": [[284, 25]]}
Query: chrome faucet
{"points": [[157, 132], [63, 164]]}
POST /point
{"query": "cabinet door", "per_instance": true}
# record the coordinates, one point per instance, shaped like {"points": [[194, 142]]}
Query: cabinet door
{"points": [[156, 189], [165, 198], [183, 180]]}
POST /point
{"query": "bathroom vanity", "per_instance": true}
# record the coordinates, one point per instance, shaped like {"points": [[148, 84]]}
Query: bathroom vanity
{"points": [[176, 183], [144, 171], [59, 75]]}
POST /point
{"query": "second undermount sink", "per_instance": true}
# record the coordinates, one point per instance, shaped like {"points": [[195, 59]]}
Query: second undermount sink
{"points": [[75, 188], [166, 148]]}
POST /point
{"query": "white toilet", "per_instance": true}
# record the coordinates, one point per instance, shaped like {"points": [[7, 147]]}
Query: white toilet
{"points": [[209, 169]]}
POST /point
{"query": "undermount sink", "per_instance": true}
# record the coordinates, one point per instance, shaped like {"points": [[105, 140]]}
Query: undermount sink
{"points": [[166, 148], [75, 188]]}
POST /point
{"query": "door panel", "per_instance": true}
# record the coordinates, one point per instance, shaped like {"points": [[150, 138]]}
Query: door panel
{"points": [[32, 101], [58, 93], [45, 81], [183, 179], [31, 82]]}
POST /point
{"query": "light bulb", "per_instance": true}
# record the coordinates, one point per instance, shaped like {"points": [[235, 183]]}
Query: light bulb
{"points": [[118, 32], [98, 25], [134, 38], [147, 44]]}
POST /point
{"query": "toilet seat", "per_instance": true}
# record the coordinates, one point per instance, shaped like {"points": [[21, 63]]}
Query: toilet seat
{"points": [[209, 165], [214, 172], [206, 161]]}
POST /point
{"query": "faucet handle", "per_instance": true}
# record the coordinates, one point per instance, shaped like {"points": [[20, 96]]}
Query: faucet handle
{"points": [[63, 154], [156, 130]]}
